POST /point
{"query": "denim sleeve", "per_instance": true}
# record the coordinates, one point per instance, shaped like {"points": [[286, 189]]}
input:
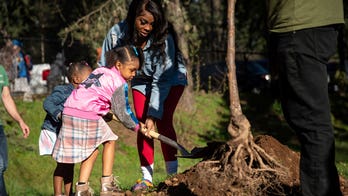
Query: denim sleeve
{"points": [[107, 45], [111, 40], [54, 103], [161, 83]]}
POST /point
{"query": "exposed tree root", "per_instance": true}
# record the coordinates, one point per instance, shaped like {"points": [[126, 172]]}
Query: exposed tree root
{"points": [[245, 163]]}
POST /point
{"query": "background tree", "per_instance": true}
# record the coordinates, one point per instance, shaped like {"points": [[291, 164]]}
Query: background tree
{"points": [[187, 36], [37, 23]]}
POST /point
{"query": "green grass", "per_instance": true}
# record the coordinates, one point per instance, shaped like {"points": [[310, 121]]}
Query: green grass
{"points": [[30, 174]]}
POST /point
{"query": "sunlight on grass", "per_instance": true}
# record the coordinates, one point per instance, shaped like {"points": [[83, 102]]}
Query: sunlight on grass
{"points": [[31, 174]]}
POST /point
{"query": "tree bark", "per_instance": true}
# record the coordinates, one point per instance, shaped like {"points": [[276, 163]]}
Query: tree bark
{"points": [[238, 122], [176, 15]]}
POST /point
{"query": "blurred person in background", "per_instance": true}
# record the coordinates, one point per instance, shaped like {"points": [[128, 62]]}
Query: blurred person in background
{"points": [[9, 104], [57, 72], [22, 63]]}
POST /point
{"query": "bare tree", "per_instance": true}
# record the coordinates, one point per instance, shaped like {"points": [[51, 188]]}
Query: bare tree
{"points": [[243, 160], [92, 28], [239, 165]]}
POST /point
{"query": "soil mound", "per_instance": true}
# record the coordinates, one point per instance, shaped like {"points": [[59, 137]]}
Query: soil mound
{"points": [[205, 178]]}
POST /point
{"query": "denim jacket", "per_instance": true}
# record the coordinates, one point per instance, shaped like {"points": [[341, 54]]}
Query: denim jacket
{"points": [[54, 105], [154, 79]]}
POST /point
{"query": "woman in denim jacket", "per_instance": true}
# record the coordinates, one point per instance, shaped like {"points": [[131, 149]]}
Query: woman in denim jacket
{"points": [[158, 85]]}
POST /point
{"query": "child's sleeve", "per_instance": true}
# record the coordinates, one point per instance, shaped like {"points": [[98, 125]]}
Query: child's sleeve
{"points": [[121, 108], [54, 103]]}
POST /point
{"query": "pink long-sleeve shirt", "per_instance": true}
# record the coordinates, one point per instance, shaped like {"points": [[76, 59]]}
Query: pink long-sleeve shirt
{"points": [[91, 100]]}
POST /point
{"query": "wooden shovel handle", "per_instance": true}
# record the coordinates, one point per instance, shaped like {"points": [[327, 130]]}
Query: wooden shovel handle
{"points": [[115, 118], [163, 138], [154, 134]]}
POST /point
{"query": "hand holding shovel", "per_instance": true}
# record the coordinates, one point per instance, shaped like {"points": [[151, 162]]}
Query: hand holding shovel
{"points": [[196, 152]]}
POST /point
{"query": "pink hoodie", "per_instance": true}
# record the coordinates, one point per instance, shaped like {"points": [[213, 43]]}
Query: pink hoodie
{"points": [[91, 100]]}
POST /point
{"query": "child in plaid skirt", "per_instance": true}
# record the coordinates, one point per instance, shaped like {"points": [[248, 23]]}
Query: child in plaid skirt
{"points": [[84, 129]]}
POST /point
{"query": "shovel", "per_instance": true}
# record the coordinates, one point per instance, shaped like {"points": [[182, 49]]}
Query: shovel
{"points": [[170, 142], [196, 152]]}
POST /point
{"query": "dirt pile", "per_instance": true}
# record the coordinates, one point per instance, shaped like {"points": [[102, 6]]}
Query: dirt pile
{"points": [[205, 178]]}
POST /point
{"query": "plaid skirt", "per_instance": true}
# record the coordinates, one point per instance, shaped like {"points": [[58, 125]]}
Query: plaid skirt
{"points": [[79, 137]]}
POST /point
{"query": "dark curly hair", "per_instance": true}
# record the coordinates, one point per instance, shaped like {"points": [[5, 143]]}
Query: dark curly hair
{"points": [[160, 26], [75, 67], [123, 54]]}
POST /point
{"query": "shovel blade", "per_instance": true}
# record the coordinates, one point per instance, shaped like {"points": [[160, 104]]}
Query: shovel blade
{"points": [[174, 144], [196, 153]]}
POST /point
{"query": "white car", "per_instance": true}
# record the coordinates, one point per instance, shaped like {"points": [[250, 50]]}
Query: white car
{"points": [[38, 78]]}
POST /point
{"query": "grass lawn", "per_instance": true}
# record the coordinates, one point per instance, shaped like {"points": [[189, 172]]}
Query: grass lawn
{"points": [[31, 174]]}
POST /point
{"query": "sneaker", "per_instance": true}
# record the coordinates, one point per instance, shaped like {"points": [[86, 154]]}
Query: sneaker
{"points": [[142, 185], [109, 186], [83, 190]]}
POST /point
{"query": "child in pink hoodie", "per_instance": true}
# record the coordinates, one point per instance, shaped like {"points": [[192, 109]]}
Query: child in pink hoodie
{"points": [[84, 129]]}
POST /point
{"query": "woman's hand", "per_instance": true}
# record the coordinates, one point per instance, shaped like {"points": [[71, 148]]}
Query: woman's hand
{"points": [[150, 123], [145, 131], [148, 126]]}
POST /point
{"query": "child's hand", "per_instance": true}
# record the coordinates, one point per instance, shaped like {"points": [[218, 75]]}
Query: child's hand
{"points": [[150, 123], [108, 117], [59, 116], [145, 131]]}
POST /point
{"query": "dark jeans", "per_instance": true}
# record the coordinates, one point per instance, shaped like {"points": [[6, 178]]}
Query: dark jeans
{"points": [[3, 160], [299, 59]]}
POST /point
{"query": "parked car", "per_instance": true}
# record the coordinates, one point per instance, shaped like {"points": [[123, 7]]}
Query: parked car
{"points": [[252, 76], [38, 78]]}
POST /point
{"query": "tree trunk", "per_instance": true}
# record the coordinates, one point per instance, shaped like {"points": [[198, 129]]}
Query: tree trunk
{"points": [[239, 124], [244, 159]]}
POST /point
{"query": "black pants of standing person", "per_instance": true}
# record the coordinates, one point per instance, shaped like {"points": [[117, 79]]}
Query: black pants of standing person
{"points": [[300, 59]]}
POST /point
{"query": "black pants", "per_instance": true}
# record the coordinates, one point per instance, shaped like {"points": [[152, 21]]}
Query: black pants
{"points": [[299, 59]]}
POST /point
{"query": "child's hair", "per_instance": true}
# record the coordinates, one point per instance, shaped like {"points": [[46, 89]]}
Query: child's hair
{"points": [[123, 54], [76, 67]]}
